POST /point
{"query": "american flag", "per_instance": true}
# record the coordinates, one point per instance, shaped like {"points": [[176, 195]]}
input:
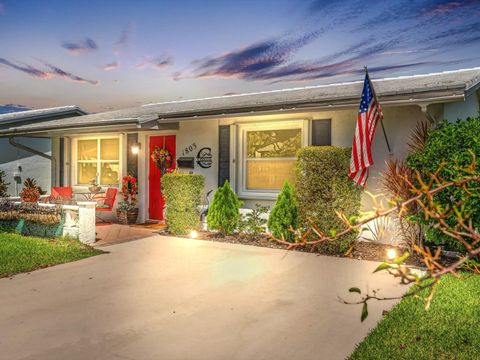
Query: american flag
{"points": [[369, 114]]}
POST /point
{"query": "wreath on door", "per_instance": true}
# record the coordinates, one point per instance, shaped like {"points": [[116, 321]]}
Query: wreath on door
{"points": [[162, 159]]}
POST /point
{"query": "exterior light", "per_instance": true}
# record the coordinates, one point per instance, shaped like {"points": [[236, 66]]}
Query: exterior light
{"points": [[136, 148], [391, 254], [193, 234]]}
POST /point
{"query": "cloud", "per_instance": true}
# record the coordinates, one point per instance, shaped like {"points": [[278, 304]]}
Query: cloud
{"points": [[27, 69], [2, 8], [69, 76], [124, 39], [50, 73], [111, 66], [444, 7], [271, 60], [251, 61], [83, 46], [156, 62]]}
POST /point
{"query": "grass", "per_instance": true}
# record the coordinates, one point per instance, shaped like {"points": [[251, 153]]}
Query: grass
{"points": [[448, 330], [23, 253]]}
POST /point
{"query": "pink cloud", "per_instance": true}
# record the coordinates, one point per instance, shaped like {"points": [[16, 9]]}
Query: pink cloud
{"points": [[111, 66]]}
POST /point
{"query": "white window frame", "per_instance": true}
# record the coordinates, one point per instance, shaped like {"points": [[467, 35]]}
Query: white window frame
{"points": [[74, 148], [242, 190]]}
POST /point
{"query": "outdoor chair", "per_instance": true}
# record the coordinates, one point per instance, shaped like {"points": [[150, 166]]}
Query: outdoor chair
{"points": [[62, 194], [105, 203]]}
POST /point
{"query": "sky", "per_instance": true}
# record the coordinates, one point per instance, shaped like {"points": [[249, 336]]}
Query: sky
{"points": [[103, 55]]}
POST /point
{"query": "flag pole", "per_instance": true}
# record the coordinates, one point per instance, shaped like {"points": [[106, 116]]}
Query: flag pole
{"points": [[378, 104]]}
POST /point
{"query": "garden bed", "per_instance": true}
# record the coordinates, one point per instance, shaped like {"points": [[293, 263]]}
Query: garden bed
{"points": [[362, 250], [25, 253]]}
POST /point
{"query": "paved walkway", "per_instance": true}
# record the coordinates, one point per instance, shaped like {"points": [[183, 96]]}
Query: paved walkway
{"points": [[170, 298], [109, 234]]}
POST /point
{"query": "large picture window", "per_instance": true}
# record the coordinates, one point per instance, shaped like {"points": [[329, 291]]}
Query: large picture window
{"points": [[98, 159], [268, 156]]}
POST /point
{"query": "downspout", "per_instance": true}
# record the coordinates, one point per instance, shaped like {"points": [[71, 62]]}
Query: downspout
{"points": [[52, 158]]}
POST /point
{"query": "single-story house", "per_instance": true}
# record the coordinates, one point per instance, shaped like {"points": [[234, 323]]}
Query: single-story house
{"points": [[23, 157], [249, 139]]}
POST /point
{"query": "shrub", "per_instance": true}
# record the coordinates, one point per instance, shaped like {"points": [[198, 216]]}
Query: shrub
{"points": [[448, 148], [3, 185], [223, 213], [284, 216], [253, 223], [323, 187], [183, 196]]}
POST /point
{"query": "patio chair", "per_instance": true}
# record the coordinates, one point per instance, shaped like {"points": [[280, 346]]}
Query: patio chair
{"points": [[62, 194], [105, 203]]}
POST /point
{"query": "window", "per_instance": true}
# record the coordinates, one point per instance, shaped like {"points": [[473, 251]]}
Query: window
{"points": [[98, 159], [268, 156]]}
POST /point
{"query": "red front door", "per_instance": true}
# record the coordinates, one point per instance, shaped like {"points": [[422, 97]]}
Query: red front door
{"points": [[156, 202]]}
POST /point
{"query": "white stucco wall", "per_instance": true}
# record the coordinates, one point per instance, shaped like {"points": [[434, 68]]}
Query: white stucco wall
{"points": [[462, 110]]}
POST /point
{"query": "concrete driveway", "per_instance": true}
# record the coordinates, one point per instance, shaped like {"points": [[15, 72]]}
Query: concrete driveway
{"points": [[170, 298]]}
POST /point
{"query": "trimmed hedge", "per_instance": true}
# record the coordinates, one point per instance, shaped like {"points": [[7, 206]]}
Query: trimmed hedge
{"points": [[323, 187], [183, 196], [450, 146], [32, 228], [284, 215]]}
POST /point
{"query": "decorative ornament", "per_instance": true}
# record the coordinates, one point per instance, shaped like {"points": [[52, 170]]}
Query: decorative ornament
{"points": [[162, 158]]}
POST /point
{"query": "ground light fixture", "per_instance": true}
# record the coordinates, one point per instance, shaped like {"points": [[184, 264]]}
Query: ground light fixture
{"points": [[193, 234], [135, 148], [391, 254]]}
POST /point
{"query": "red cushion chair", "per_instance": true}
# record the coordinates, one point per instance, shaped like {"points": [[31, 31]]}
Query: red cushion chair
{"points": [[61, 193], [105, 203]]}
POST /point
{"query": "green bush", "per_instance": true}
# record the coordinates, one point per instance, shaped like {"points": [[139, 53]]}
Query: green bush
{"points": [[253, 224], [3, 185], [183, 196], [284, 215], [323, 187], [450, 147], [223, 213]]}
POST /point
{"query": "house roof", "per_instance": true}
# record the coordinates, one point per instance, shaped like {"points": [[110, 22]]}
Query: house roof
{"points": [[417, 89], [40, 114]]}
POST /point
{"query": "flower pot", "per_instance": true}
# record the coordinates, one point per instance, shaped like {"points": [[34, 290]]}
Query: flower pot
{"points": [[94, 188], [127, 217]]}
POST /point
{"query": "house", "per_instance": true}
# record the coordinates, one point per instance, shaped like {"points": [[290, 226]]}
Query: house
{"points": [[249, 139], [30, 156]]}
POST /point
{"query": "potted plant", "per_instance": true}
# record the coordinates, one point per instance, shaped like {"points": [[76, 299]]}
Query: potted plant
{"points": [[94, 187], [127, 210], [31, 191]]}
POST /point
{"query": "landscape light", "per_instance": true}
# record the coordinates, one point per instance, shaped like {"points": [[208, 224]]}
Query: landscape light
{"points": [[193, 234], [391, 254]]}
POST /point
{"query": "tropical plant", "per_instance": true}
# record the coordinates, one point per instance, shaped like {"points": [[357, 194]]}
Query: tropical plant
{"points": [[447, 150], [31, 191], [224, 211], [253, 223], [283, 219]]}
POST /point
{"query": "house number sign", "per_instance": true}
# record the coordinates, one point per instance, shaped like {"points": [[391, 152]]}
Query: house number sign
{"points": [[189, 149]]}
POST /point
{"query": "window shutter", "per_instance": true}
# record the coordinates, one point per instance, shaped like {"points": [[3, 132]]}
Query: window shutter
{"points": [[223, 154], [322, 132]]}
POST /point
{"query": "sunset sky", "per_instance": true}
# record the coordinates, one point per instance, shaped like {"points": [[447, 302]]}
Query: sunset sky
{"points": [[111, 54]]}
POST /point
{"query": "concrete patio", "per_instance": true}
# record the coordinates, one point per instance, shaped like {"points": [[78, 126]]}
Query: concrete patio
{"points": [[171, 298]]}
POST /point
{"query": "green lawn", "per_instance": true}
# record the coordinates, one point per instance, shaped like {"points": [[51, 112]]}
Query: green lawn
{"points": [[22, 253], [450, 329]]}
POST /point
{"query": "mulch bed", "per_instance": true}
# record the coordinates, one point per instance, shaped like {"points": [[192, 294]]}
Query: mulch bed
{"points": [[362, 250]]}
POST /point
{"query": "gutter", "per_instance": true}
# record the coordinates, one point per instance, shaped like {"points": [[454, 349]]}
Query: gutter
{"points": [[52, 158]]}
